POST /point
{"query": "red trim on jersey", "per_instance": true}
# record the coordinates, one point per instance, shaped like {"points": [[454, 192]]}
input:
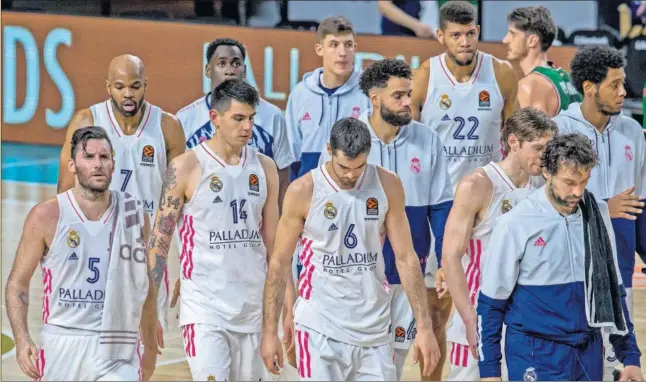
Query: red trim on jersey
{"points": [[40, 364], [503, 178], [107, 110], [305, 282], [473, 77], [441, 60], [305, 362], [72, 204], [148, 112], [480, 60], [47, 292], [187, 235], [166, 279], [473, 269], [140, 371], [188, 332], [212, 156], [331, 183], [110, 214], [244, 161]]}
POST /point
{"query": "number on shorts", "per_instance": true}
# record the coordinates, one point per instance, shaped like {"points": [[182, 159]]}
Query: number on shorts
{"points": [[92, 265], [350, 239], [238, 210], [126, 179]]}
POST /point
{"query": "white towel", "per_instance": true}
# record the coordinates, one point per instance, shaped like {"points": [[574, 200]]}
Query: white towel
{"points": [[127, 283]]}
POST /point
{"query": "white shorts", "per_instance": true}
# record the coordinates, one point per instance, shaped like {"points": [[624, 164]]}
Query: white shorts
{"points": [[610, 361], [76, 358], [465, 368], [402, 319], [217, 354], [430, 270], [320, 358]]}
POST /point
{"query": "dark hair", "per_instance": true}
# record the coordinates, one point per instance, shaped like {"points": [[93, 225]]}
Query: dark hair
{"points": [[535, 20], [334, 25], [572, 150], [457, 12], [527, 124], [233, 89], [210, 50], [379, 72], [351, 136], [84, 134], [591, 63]]}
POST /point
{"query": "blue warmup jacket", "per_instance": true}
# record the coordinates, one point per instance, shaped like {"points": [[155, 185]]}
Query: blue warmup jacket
{"points": [[622, 164], [416, 155], [534, 267], [311, 112]]}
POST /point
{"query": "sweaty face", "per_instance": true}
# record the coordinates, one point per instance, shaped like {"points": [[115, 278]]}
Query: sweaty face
{"points": [[94, 166], [610, 94], [460, 42], [346, 170], [338, 53], [234, 125], [226, 63], [395, 101], [516, 41], [530, 154], [567, 186], [127, 90]]}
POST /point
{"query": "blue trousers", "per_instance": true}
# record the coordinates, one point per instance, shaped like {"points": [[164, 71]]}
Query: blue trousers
{"points": [[531, 358]]}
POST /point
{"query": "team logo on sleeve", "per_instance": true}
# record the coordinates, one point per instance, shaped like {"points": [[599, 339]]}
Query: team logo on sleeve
{"points": [[329, 211], [483, 99], [372, 206], [216, 184], [254, 183], [73, 239], [628, 153], [506, 206], [445, 101], [148, 155]]}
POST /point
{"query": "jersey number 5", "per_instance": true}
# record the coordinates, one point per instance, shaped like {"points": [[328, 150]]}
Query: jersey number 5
{"points": [[92, 265], [457, 134]]}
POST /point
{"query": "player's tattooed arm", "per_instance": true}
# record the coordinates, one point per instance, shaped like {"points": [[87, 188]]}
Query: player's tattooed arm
{"points": [[149, 309]]}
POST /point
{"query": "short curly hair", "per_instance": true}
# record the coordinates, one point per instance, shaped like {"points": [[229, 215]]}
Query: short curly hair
{"points": [[457, 12], [571, 150], [535, 20], [379, 72], [225, 41], [591, 63]]}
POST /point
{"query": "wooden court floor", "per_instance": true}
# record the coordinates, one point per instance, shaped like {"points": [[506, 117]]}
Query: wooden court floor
{"points": [[18, 198]]}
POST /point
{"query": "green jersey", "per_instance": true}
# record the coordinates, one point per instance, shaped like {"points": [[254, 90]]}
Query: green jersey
{"points": [[562, 82]]}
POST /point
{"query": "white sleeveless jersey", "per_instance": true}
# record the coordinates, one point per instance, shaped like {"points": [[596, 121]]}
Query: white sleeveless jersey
{"points": [[467, 116], [223, 260], [75, 268], [140, 159], [504, 197], [342, 291]]}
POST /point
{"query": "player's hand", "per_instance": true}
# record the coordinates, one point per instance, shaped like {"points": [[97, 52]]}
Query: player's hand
{"points": [[631, 373], [173, 301], [288, 332], [271, 352], [425, 347], [424, 30], [27, 355], [148, 362], [160, 336], [472, 338], [624, 203], [440, 284]]}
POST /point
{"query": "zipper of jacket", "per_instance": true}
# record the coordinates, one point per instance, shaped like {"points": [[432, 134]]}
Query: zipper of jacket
{"points": [[606, 163], [569, 249]]}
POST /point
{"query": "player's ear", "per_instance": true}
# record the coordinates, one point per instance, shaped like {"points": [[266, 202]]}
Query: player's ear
{"points": [[372, 94], [107, 86], [71, 166], [145, 82], [589, 88], [532, 41], [207, 70], [440, 35], [478, 31], [329, 149], [214, 116], [318, 48], [513, 142]]}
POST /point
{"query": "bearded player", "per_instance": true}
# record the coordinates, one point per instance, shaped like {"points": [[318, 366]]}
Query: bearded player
{"points": [[144, 137], [465, 95]]}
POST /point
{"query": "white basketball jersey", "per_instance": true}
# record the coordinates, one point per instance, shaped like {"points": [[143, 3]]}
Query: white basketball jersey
{"points": [[504, 197], [75, 268], [223, 260], [342, 291], [140, 159], [467, 116]]}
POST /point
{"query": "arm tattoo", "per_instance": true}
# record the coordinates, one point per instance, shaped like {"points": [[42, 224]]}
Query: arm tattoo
{"points": [[166, 223], [170, 179], [157, 273], [274, 297]]}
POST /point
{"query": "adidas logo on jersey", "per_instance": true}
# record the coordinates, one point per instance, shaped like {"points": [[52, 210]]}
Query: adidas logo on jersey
{"points": [[333, 227], [217, 200], [539, 242], [446, 118], [73, 256]]}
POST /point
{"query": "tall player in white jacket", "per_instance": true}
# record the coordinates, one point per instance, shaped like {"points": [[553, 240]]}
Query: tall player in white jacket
{"points": [[145, 139], [413, 152], [225, 194], [341, 212], [74, 237], [465, 95], [480, 198], [620, 176]]}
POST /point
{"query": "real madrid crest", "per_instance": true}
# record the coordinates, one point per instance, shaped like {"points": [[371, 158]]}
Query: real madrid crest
{"points": [[211, 377], [530, 374], [506, 206], [73, 239], [329, 210], [445, 101], [216, 184]]}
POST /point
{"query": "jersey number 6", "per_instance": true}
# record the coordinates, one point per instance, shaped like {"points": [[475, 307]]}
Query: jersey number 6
{"points": [[350, 239]]}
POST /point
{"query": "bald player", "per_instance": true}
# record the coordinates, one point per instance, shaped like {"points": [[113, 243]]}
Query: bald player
{"points": [[144, 137], [465, 95], [545, 86]]}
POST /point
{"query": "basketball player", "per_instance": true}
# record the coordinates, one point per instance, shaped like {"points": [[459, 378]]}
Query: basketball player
{"points": [[225, 194], [465, 95], [480, 198], [77, 237], [545, 86], [620, 177], [145, 140], [341, 212], [413, 152]]}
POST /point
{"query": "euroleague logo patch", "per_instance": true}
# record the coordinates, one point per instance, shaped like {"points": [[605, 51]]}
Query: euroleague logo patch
{"points": [[400, 334], [254, 183], [148, 156], [372, 206], [483, 99]]}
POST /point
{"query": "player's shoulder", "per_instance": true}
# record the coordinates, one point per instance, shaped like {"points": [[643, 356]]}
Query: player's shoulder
{"points": [[268, 164], [45, 213], [82, 118], [191, 107], [630, 124], [476, 185], [534, 81], [185, 162], [169, 118], [389, 180], [267, 108], [422, 72], [504, 70], [302, 187], [421, 133]]}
